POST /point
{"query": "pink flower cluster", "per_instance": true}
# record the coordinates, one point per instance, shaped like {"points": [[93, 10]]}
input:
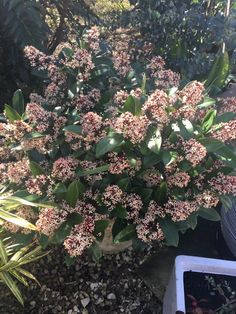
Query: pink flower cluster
{"points": [[207, 199], [155, 107], [50, 220], [223, 184], [91, 38], [195, 152], [121, 59], [180, 210], [112, 196], [148, 229], [180, 179], [64, 168], [80, 238], [87, 102], [133, 128], [225, 132], [227, 105], [152, 177]]}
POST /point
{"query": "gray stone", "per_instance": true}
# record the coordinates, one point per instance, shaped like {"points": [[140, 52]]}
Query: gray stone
{"points": [[111, 296], [85, 301]]}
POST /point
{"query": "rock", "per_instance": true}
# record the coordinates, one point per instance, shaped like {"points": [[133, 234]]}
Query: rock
{"points": [[93, 285], [111, 296], [70, 312], [85, 301], [99, 301], [76, 309]]}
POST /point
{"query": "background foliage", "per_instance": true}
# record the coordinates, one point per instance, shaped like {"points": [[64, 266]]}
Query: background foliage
{"points": [[187, 33]]}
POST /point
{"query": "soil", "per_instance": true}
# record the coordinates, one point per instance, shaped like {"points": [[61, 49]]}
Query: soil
{"points": [[107, 288], [210, 291]]}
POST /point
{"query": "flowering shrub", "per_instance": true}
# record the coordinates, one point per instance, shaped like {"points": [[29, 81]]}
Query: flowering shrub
{"points": [[106, 142]]}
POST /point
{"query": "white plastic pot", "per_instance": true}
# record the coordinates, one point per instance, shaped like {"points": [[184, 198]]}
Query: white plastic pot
{"points": [[174, 296], [228, 227]]}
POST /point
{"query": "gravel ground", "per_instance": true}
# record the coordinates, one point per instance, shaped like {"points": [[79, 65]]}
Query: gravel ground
{"points": [[109, 287]]}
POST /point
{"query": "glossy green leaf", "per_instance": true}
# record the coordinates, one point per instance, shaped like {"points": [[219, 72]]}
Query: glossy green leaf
{"points": [[72, 193], [82, 173], [209, 214], [108, 144], [95, 252], [11, 114], [126, 234], [155, 141], [170, 232], [74, 128], [35, 168], [18, 102], [208, 120]]}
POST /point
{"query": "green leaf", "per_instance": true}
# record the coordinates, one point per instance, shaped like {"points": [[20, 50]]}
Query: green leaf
{"points": [[82, 173], [160, 194], [132, 105], [16, 220], [151, 160], [207, 102], [108, 144], [170, 232], [212, 145], [155, 141], [11, 114], [43, 241], [138, 245], [118, 225], [100, 226], [208, 120], [35, 168], [95, 252], [74, 128], [123, 183], [69, 260], [3, 253], [225, 117], [72, 193], [10, 283], [209, 214], [126, 234], [18, 102], [145, 193], [62, 232], [120, 212], [192, 221], [60, 190]]}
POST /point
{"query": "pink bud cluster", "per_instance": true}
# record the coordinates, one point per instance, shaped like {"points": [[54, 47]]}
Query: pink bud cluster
{"points": [[225, 132], [195, 152], [64, 168], [80, 238], [132, 127], [155, 107], [224, 184]]}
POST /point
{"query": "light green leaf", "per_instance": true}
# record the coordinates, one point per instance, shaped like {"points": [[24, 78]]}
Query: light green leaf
{"points": [[16, 220], [10, 283], [155, 141], [35, 168], [11, 114]]}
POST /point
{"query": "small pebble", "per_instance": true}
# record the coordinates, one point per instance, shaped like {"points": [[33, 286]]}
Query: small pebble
{"points": [[111, 296]]}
